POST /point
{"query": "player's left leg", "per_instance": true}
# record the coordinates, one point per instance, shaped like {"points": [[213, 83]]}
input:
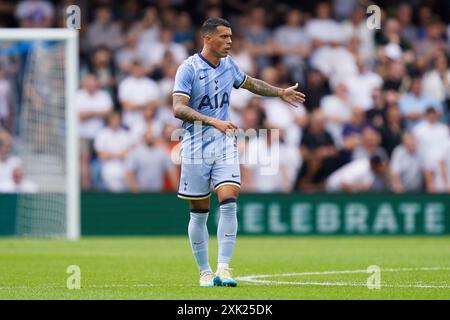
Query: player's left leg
{"points": [[226, 232]]}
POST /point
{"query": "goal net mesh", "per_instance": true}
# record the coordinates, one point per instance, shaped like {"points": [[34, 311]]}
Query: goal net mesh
{"points": [[39, 137]]}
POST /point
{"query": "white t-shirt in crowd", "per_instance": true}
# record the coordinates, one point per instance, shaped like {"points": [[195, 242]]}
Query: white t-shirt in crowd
{"points": [[100, 101], [356, 173], [430, 137], [113, 170], [336, 63], [324, 29], [7, 167], [360, 88], [137, 90], [333, 106], [282, 115], [434, 87], [409, 167]]}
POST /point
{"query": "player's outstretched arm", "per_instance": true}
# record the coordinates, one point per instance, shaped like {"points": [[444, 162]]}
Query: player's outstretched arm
{"points": [[184, 112], [289, 95]]}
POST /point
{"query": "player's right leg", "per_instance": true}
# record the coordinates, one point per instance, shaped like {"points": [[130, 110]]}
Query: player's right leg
{"points": [[195, 187], [199, 236]]}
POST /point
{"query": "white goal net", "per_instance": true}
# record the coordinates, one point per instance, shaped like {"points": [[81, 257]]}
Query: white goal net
{"points": [[44, 133]]}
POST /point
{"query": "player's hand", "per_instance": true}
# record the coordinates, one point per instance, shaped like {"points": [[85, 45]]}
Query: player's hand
{"points": [[226, 127], [292, 96]]}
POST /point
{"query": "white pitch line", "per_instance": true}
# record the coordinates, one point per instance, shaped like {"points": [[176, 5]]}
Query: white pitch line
{"points": [[101, 286], [254, 278]]}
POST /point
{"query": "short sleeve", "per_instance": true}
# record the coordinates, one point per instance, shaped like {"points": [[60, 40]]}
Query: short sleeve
{"points": [[183, 80], [239, 75]]}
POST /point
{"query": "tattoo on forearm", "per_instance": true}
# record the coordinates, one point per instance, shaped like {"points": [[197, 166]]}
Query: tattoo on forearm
{"points": [[260, 87], [184, 112]]}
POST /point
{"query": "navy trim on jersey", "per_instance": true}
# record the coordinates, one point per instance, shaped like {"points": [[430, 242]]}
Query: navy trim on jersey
{"points": [[209, 63], [183, 92], [240, 85]]}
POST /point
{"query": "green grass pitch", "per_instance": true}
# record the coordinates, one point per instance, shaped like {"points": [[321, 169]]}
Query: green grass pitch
{"points": [[286, 268]]}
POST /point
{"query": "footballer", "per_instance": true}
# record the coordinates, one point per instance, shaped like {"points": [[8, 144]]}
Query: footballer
{"points": [[201, 98]]}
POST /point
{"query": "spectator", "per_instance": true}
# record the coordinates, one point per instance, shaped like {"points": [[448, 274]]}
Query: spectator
{"points": [[376, 113], [17, 183], [370, 144], [146, 166], [8, 162], [102, 65], [352, 134], [319, 155], [391, 131], [393, 72], [93, 105], [337, 110], [404, 16], [137, 93], [258, 37], [112, 145], [292, 44], [361, 175], [406, 170], [153, 53], [390, 37], [263, 169], [242, 56], [414, 103], [444, 168], [184, 33], [103, 31], [35, 13], [316, 88], [362, 84], [357, 26], [434, 42], [129, 53], [430, 135], [281, 114], [329, 55], [323, 30], [436, 82], [7, 8], [148, 27]]}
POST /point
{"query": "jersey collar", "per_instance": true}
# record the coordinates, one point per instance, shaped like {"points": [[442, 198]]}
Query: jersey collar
{"points": [[209, 63]]}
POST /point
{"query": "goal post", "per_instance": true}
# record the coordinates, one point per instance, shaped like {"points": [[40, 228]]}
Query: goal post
{"points": [[70, 188]]}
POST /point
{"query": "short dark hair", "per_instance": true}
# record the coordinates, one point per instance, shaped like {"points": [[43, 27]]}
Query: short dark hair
{"points": [[210, 25]]}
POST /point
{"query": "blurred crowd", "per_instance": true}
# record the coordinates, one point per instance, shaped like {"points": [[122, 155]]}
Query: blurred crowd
{"points": [[376, 117]]}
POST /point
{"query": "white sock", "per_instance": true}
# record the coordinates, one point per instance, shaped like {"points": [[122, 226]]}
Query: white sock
{"points": [[198, 236], [226, 232]]}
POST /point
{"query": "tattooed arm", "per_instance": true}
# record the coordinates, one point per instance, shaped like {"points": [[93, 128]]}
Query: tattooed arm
{"points": [[289, 95], [184, 112]]}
